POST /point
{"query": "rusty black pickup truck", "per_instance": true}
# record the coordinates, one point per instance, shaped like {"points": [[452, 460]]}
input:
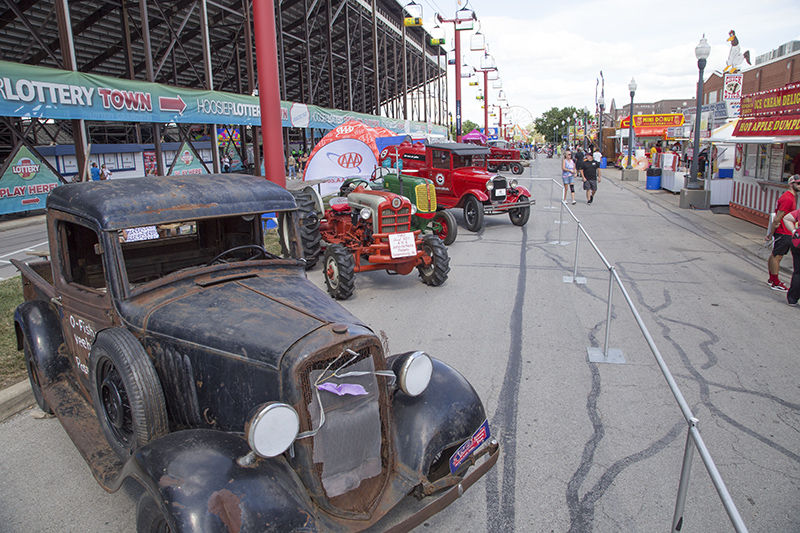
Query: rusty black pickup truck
{"points": [[174, 334]]}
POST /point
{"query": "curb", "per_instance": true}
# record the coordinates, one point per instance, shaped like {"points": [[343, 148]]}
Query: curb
{"points": [[15, 398]]}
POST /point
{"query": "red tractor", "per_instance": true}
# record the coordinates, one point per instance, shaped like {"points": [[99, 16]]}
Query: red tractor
{"points": [[368, 230]]}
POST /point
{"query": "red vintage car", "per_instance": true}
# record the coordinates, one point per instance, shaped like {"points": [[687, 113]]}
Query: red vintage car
{"points": [[462, 180]]}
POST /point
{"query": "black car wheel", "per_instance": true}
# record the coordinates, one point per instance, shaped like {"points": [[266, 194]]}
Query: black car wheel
{"points": [[444, 226], [339, 270], [126, 392], [34, 378], [473, 213], [519, 216], [516, 168], [309, 227], [435, 274], [149, 518]]}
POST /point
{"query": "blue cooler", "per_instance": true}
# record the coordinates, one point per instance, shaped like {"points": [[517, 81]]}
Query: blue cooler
{"points": [[603, 162]]}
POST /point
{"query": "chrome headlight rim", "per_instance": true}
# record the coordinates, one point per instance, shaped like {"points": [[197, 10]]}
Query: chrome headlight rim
{"points": [[514, 183], [490, 185], [415, 373], [365, 213], [272, 419], [397, 202]]}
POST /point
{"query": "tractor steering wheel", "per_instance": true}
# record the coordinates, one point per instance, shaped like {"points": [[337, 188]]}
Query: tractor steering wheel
{"points": [[260, 252]]}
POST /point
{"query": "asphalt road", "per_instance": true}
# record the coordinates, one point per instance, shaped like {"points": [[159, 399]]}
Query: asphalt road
{"points": [[585, 447], [22, 236]]}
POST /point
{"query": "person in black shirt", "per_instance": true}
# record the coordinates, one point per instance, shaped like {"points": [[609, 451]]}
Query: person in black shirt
{"points": [[590, 172]]}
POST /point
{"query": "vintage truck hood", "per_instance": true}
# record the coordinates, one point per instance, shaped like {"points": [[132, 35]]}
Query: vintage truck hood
{"points": [[474, 174], [254, 317]]}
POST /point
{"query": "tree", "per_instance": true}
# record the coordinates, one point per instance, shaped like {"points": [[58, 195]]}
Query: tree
{"points": [[552, 119], [467, 126]]}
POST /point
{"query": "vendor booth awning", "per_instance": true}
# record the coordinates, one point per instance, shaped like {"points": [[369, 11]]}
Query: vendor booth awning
{"points": [[728, 133]]}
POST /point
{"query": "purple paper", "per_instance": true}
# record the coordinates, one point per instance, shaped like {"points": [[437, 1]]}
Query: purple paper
{"points": [[344, 388]]}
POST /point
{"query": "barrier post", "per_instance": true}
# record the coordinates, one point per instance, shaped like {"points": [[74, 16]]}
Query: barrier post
{"points": [[551, 195], [574, 277], [606, 355], [560, 223], [683, 486]]}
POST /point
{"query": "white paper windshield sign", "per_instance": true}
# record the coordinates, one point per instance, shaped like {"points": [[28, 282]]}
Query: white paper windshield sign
{"points": [[402, 245]]}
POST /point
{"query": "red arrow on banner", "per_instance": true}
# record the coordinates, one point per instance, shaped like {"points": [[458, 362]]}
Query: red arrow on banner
{"points": [[28, 201], [172, 104]]}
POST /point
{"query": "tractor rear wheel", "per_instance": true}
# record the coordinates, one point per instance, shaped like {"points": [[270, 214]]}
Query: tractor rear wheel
{"points": [[339, 271], [309, 227], [516, 168], [435, 274]]}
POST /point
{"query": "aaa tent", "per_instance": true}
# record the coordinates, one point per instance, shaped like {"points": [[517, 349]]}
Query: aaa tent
{"points": [[346, 151]]}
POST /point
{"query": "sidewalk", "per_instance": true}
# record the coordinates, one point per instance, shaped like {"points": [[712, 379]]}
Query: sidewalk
{"points": [[737, 233]]}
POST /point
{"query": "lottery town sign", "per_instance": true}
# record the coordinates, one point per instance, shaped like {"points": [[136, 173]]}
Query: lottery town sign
{"points": [[31, 91]]}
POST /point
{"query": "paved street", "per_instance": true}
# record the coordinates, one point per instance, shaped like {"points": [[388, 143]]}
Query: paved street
{"points": [[585, 447]]}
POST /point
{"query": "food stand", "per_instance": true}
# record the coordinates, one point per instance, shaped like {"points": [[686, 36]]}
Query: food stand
{"points": [[766, 151]]}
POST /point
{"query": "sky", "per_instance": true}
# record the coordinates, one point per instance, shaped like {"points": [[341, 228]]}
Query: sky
{"points": [[550, 53]]}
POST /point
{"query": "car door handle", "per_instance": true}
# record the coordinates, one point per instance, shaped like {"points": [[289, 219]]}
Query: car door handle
{"points": [[56, 300]]}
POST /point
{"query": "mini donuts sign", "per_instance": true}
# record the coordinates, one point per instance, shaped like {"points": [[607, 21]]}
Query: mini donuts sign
{"points": [[25, 183]]}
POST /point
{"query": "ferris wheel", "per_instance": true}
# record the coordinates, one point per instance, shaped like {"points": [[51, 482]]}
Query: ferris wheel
{"points": [[519, 117]]}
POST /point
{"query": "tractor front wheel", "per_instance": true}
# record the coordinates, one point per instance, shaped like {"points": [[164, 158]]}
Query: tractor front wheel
{"points": [[444, 226], [339, 271], [516, 168], [436, 273]]}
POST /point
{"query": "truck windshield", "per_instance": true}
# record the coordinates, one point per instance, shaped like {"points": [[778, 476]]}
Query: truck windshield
{"points": [[152, 252]]}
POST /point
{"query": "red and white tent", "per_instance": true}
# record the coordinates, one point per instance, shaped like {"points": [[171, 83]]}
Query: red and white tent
{"points": [[346, 151]]}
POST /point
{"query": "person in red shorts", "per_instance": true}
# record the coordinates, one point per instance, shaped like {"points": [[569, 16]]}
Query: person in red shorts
{"points": [[783, 237]]}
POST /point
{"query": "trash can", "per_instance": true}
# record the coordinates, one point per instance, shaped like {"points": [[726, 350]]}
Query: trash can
{"points": [[653, 179], [603, 162]]}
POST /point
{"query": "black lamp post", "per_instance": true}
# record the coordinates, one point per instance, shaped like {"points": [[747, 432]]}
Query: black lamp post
{"points": [[701, 52], [632, 88], [601, 102], [585, 127]]}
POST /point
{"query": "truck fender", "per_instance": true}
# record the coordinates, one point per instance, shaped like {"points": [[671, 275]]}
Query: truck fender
{"points": [[523, 191], [480, 195], [195, 479], [447, 413], [38, 321]]}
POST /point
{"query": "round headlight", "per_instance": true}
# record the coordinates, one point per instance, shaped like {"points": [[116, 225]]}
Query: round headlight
{"points": [[397, 202], [365, 213], [272, 428], [490, 185], [413, 207], [513, 184], [415, 373]]}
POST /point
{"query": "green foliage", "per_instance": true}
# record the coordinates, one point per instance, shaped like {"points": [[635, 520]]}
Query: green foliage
{"points": [[467, 126], [12, 363], [552, 118]]}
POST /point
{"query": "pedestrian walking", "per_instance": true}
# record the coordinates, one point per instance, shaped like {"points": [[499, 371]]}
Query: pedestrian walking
{"points": [[568, 171], [781, 233], [590, 171], [105, 174], [226, 163], [292, 164], [95, 172], [790, 221]]}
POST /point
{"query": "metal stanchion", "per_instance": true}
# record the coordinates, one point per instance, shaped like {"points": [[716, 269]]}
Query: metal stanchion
{"points": [[560, 223], [551, 195], [683, 486], [606, 355], [574, 277]]}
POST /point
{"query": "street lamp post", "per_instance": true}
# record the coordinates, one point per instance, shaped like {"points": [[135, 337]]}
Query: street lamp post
{"points": [[561, 133], [574, 127], [632, 88], [601, 102], [459, 24], [585, 128], [701, 52]]}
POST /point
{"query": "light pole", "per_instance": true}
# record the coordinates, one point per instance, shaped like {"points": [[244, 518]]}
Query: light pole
{"points": [[555, 139], [561, 132], [601, 102], [574, 127], [585, 127], [487, 66], [460, 22], [632, 88], [701, 52]]}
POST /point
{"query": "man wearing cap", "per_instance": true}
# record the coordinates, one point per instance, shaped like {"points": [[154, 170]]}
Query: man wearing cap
{"points": [[783, 237]]}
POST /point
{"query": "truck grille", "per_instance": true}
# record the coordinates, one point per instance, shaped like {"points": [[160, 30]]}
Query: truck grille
{"points": [[395, 221], [347, 414], [499, 184], [426, 197]]}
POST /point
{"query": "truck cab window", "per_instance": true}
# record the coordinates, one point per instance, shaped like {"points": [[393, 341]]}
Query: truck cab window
{"points": [[82, 258]]}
